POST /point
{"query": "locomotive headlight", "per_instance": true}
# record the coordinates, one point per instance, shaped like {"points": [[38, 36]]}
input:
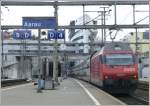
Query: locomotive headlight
{"points": [[135, 76], [106, 77]]}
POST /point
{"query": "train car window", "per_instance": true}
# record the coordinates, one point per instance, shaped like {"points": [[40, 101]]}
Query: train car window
{"points": [[100, 58], [97, 58]]}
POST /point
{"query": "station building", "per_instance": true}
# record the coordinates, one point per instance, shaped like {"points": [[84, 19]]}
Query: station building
{"points": [[142, 49], [142, 37], [83, 35]]}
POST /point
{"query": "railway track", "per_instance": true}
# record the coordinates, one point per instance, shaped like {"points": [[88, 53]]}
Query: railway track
{"points": [[132, 100], [140, 96], [12, 82], [141, 100], [143, 85]]}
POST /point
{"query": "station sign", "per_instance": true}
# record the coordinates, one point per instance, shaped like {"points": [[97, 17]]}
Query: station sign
{"points": [[39, 22], [60, 34], [53, 34], [22, 34]]}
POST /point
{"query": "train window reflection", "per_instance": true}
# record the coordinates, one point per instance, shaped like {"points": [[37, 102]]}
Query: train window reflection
{"points": [[119, 59]]}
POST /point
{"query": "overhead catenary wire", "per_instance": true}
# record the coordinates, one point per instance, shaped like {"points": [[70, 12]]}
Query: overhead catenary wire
{"points": [[142, 19], [90, 21], [126, 17]]}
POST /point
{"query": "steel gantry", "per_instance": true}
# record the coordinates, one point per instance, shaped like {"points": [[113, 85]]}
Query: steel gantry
{"points": [[5, 27], [71, 3]]}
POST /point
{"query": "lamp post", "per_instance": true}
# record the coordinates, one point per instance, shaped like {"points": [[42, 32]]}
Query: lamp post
{"points": [[55, 61], [39, 61], [0, 45], [149, 39]]}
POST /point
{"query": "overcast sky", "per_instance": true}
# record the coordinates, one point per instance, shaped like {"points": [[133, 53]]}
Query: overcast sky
{"points": [[13, 14]]}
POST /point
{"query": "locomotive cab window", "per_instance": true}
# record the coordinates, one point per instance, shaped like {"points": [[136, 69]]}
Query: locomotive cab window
{"points": [[119, 59], [101, 59]]}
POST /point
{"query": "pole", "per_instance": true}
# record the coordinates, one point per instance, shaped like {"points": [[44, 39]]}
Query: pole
{"points": [[25, 60], [55, 63], [2, 71], [39, 61], [22, 61], [136, 40], [149, 42], [115, 14], [83, 15], [136, 33], [104, 24], [102, 28], [47, 68], [133, 14], [64, 62], [31, 66], [0, 50]]}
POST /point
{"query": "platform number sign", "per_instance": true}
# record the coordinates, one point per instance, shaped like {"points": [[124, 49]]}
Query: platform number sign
{"points": [[22, 34], [52, 34], [60, 34]]}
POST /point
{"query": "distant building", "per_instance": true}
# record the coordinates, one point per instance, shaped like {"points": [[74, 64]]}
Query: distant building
{"points": [[83, 35], [142, 49], [11, 64], [142, 37]]}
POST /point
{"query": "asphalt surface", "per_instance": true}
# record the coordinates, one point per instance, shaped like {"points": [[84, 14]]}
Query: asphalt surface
{"points": [[70, 92]]}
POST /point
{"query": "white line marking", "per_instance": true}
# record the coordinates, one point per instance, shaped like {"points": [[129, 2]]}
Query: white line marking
{"points": [[18, 86], [96, 102]]}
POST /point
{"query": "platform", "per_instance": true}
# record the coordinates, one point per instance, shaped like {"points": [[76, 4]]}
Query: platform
{"points": [[70, 92]]}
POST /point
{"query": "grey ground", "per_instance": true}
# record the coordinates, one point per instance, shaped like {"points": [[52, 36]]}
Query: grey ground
{"points": [[68, 93]]}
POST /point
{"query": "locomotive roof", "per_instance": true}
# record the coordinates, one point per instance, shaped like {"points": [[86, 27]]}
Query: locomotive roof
{"points": [[114, 46], [117, 46]]}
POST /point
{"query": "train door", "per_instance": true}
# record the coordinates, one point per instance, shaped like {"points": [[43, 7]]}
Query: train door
{"points": [[100, 70]]}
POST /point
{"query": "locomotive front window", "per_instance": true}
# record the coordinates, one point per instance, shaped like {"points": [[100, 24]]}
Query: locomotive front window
{"points": [[119, 59]]}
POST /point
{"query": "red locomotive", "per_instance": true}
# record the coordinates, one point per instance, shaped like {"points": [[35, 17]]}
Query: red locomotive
{"points": [[114, 68]]}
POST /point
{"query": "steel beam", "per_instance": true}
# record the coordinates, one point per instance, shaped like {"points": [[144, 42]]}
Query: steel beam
{"points": [[47, 44], [76, 3], [5, 27], [47, 54]]}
